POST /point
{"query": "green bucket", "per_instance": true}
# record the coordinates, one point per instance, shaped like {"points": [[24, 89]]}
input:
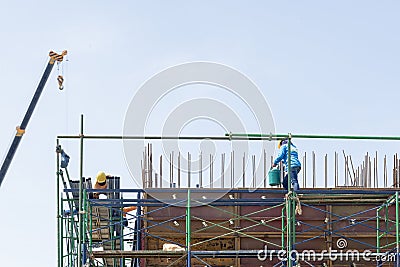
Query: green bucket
{"points": [[274, 176]]}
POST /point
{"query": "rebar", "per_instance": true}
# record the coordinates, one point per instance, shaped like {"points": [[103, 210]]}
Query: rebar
{"points": [[305, 170], [179, 169], [201, 169], [244, 170], [253, 161], [222, 170], [232, 169], [313, 168], [188, 170]]}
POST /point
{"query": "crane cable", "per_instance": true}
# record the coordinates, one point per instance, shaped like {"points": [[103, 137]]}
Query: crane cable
{"points": [[66, 64]]}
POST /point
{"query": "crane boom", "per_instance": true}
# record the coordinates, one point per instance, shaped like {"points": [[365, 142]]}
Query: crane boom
{"points": [[54, 57]]}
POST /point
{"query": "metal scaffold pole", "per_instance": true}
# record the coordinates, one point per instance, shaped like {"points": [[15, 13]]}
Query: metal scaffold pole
{"points": [[188, 233], [397, 230], [80, 234], [289, 209], [59, 211]]}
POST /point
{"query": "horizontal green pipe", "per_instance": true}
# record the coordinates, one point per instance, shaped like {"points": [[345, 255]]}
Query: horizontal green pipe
{"points": [[313, 136], [138, 137], [234, 136]]}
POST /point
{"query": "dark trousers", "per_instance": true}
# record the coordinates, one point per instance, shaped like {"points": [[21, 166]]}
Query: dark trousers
{"points": [[294, 171]]}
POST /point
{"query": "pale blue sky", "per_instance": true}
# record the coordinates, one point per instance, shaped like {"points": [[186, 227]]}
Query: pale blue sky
{"points": [[335, 63]]}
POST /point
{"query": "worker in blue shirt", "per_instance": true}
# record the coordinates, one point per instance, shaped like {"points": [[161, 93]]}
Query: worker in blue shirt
{"points": [[295, 164]]}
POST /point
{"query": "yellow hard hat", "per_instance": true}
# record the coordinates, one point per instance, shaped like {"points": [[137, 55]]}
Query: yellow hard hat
{"points": [[101, 177]]}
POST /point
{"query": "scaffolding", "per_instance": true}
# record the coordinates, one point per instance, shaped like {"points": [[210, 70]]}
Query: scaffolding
{"points": [[225, 227]]}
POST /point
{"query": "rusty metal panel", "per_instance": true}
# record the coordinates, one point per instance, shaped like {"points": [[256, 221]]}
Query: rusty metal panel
{"points": [[250, 227]]}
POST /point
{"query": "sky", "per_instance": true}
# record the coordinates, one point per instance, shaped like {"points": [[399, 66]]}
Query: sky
{"points": [[324, 67]]}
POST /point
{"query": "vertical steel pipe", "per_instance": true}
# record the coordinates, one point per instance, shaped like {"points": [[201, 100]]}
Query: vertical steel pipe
{"points": [[80, 215], [232, 169], [179, 169], [313, 168], [144, 168], [346, 172], [211, 172], [253, 165], [161, 172], [326, 170], [385, 180], [222, 170], [201, 169], [369, 172], [265, 169], [244, 170], [150, 165], [188, 230], [188, 171], [394, 171], [336, 170], [305, 170]]}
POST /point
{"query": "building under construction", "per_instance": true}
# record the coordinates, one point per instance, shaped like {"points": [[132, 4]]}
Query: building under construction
{"points": [[352, 219]]}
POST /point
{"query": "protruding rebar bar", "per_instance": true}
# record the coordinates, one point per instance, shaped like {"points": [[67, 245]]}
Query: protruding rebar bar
{"points": [[253, 157], [232, 169], [211, 172], [244, 170], [352, 167], [142, 168], [385, 178], [304, 167], [394, 170], [150, 165], [179, 169], [336, 170], [376, 178], [326, 170], [170, 170], [265, 169], [313, 166], [366, 175], [201, 169], [222, 170], [369, 172], [161, 172]]}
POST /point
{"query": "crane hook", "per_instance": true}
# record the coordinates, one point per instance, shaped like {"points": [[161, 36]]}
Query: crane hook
{"points": [[60, 80]]}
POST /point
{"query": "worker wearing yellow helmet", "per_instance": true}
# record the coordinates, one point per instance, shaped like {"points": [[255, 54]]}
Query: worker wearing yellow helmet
{"points": [[295, 165], [101, 183]]}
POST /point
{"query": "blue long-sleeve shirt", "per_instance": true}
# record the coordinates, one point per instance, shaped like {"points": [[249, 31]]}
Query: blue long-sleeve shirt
{"points": [[283, 155]]}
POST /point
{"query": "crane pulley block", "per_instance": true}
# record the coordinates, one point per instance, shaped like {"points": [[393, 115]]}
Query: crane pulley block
{"points": [[57, 57]]}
